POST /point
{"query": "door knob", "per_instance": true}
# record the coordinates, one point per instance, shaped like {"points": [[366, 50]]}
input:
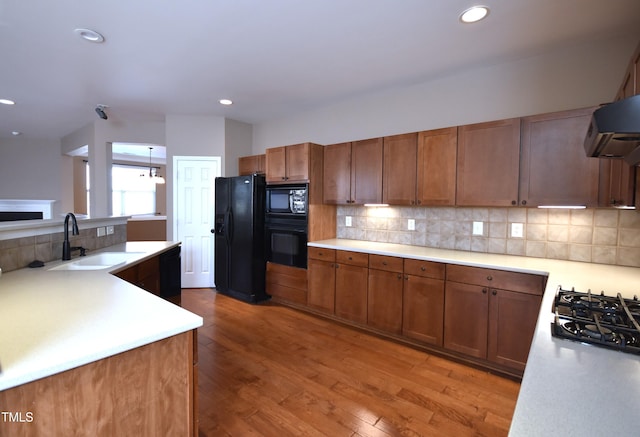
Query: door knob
{"points": [[213, 231]]}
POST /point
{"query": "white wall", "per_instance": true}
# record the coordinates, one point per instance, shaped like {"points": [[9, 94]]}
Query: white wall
{"points": [[35, 169], [191, 136], [580, 76], [238, 142]]}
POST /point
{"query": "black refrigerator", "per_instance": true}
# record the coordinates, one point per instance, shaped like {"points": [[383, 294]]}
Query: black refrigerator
{"points": [[239, 254]]}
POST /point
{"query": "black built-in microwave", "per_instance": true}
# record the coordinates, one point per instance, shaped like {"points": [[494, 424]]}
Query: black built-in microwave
{"points": [[287, 200]]}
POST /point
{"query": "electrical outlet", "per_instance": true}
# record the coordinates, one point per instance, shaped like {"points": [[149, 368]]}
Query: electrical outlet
{"points": [[478, 228], [411, 224], [101, 231], [517, 230], [110, 230], [347, 221]]}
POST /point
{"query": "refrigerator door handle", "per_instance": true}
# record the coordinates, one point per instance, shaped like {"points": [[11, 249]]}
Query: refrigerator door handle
{"points": [[228, 219]]}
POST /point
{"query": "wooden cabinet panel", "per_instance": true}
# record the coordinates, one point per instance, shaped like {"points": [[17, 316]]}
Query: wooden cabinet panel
{"points": [[522, 282], [617, 183], [351, 292], [487, 167], [436, 171], [388, 263], [366, 171], [353, 258], [337, 174], [428, 269], [466, 313], [384, 300], [286, 283], [512, 322], [297, 168], [248, 165], [321, 253], [146, 391], [399, 167], [145, 275], [554, 170], [423, 309], [276, 165], [321, 285]]}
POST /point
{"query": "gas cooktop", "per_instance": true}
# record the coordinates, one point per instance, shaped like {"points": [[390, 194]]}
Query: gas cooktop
{"points": [[607, 321]]}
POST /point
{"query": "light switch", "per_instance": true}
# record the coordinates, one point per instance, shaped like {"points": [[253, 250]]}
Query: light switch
{"points": [[411, 224], [347, 221], [478, 228], [517, 230]]}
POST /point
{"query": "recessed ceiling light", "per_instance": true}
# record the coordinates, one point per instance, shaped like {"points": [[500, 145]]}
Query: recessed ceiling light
{"points": [[15, 133], [474, 13], [90, 35], [7, 102], [226, 102]]}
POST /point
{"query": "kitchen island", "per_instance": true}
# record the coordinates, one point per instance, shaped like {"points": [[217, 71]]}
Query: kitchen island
{"points": [[568, 388], [82, 351]]}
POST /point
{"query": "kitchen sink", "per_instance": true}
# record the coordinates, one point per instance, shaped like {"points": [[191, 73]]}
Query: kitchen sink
{"points": [[98, 261]]}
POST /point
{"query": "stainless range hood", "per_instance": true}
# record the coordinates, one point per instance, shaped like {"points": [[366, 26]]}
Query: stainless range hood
{"points": [[614, 131]]}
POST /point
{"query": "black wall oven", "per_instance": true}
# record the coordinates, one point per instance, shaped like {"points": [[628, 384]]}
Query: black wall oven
{"points": [[286, 225]]}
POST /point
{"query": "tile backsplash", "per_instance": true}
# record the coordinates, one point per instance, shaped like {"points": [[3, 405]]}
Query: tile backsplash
{"points": [[17, 253], [604, 236]]}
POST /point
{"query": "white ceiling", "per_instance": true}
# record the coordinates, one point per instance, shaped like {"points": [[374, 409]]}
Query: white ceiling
{"points": [[273, 58]]}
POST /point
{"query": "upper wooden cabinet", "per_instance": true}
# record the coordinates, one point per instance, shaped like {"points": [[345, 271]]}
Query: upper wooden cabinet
{"points": [[617, 183], [436, 172], [353, 172], [248, 165], [291, 164], [554, 169], [631, 81], [487, 167], [399, 178]]}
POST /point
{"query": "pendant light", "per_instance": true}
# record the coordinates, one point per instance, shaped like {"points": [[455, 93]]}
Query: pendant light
{"points": [[153, 172]]}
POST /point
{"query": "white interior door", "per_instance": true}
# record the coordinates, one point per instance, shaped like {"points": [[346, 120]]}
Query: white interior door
{"points": [[193, 210]]}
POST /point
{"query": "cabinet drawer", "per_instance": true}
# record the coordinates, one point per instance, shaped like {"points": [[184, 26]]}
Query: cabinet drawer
{"points": [[388, 263], [321, 254], [522, 282], [427, 269], [352, 258]]}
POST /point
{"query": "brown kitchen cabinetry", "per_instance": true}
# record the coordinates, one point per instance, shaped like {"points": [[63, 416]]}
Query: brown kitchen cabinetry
{"points": [[351, 286], [491, 314], [384, 293], [436, 171], [400, 170], [487, 165], [554, 169], [617, 183], [145, 275], [631, 81], [248, 165], [290, 164], [353, 172], [286, 284], [423, 301], [321, 266]]}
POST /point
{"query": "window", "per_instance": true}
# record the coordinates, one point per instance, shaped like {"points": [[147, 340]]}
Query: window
{"points": [[132, 194]]}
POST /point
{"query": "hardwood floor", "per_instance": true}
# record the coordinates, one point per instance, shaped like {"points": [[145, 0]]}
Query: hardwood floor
{"points": [[274, 371]]}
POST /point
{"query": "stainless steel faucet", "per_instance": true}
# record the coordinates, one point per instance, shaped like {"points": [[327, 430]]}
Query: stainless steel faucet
{"points": [[66, 246]]}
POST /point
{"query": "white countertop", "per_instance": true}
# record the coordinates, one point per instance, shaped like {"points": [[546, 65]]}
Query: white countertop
{"points": [[56, 320], [568, 388]]}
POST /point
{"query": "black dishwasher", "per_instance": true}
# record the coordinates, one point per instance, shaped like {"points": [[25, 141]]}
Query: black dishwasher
{"points": [[170, 277]]}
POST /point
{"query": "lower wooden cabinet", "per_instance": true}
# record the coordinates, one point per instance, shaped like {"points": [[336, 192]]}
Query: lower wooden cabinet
{"points": [[384, 293], [145, 275], [423, 301], [286, 284], [484, 320], [485, 316], [352, 280]]}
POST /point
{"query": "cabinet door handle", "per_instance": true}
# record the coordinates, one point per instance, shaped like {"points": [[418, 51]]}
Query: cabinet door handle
{"points": [[524, 202], [484, 291], [350, 258], [494, 292], [399, 276], [384, 263], [423, 268], [513, 202], [337, 265], [489, 278], [406, 277]]}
